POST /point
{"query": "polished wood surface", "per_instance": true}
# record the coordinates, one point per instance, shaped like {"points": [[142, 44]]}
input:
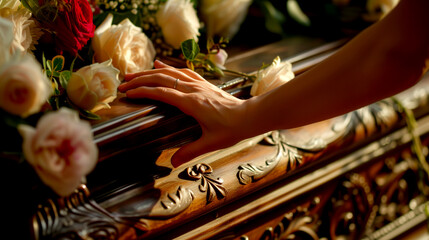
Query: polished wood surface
{"points": [[346, 177]]}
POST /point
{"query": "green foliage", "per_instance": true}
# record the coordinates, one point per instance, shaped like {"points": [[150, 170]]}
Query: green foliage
{"points": [[274, 19], [201, 63], [54, 70], [117, 17], [190, 49]]}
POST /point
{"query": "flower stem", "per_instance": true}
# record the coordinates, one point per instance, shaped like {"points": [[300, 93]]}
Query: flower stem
{"points": [[241, 74]]}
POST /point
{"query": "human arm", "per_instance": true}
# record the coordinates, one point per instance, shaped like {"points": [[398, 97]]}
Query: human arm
{"points": [[384, 59]]}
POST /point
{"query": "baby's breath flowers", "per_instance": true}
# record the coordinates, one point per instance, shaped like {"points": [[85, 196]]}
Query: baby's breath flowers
{"points": [[141, 13]]}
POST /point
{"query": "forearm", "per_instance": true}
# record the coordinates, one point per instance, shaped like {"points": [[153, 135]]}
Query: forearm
{"points": [[383, 60]]}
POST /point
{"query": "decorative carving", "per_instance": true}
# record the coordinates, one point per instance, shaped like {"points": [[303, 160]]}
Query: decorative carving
{"points": [[385, 194], [295, 224], [376, 117], [173, 204], [250, 173], [75, 217], [78, 217], [212, 186], [399, 191], [353, 197]]}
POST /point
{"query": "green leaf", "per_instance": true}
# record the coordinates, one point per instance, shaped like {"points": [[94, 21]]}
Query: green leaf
{"points": [[58, 63], [31, 5], [88, 115], [49, 65], [56, 74], [72, 64], [44, 61], [274, 19], [214, 69], [190, 49], [48, 73], [64, 78], [297, 14]]}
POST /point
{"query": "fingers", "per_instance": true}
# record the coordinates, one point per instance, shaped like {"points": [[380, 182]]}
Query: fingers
{"points": [[163, 94], [155, 80], [160, 67], [159, 64]]}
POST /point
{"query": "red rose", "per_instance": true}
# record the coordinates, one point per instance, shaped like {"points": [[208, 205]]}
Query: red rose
{"points": [[73, 26]]}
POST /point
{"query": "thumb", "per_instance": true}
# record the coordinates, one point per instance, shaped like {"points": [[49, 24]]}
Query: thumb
{"points": [[189, 152]]}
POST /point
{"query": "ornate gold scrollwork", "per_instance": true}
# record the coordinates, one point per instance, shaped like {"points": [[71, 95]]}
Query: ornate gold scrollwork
{"points": [[212, 186]]}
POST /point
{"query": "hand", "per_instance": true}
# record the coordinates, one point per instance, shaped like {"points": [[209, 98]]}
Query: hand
{"points": [[219, 114]]}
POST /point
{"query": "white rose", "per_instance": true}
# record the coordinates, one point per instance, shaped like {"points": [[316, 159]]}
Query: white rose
{"points": [[129, 48], [25, 31], [93, 87], [23, 87], [224, 17], [271, 77], [178, 21], [61, 149], [6, 38]]}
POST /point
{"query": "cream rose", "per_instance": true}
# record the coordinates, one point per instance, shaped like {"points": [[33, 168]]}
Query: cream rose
{"points": [[271, 77], [178, 21], [25, 31], [61, 149], [23, 86], [93, 87], [129, 48], [224, 17], [6, 38]]}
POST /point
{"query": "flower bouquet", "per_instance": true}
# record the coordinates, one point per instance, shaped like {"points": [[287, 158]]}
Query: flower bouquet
{"points": [[61, 61]]}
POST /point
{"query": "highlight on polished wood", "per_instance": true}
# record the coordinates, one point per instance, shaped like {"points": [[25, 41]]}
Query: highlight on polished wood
{"points": [[345, 177]]}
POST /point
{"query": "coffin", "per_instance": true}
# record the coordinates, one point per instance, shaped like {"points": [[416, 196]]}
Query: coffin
{"points": [[355, 176]]}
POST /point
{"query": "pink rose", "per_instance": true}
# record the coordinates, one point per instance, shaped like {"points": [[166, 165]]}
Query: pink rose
{"points": [[61, 149], [219, 58]]}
